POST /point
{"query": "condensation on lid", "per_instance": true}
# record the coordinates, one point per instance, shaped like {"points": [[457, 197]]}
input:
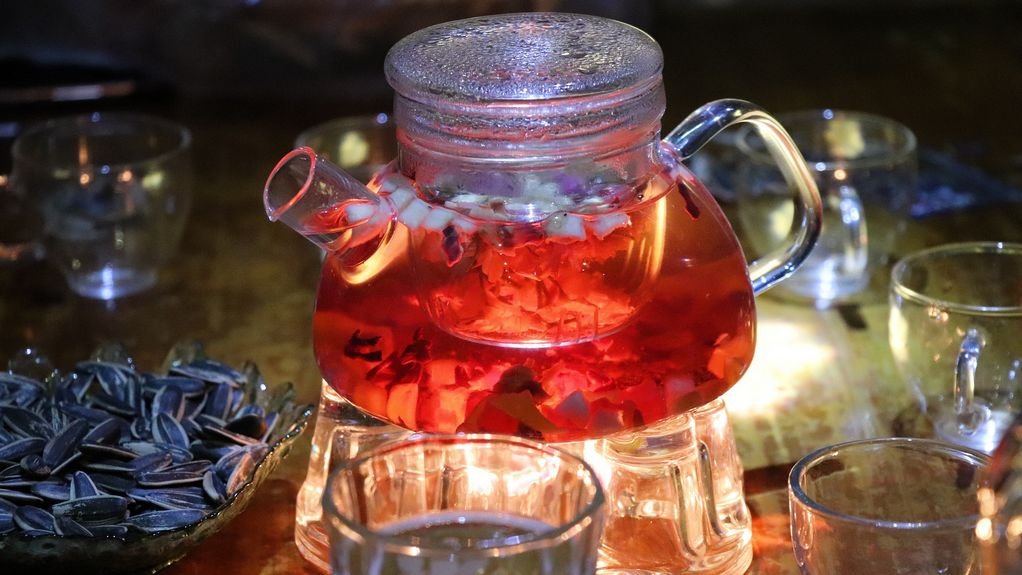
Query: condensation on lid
{"points": [[529, 56]]}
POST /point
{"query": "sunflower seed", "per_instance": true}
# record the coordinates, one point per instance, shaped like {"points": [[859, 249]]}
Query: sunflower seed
{"points": [[64, 443], [111, 376], [22, 447], [210, 371], [18, 482], [106, 451], [140, 428], [110, 466], [19, 497], [241, 473], [113, 483], [196, 466], [212, 450], [105, 432], [207, 419], [218, 404], [52, 490], [75, 384], [194, 406], [139, 448], [92, 415], [67, 462], [26, 423], [95, 510], [166, 429], [170, 498], [214, 487], [113, 404], [156, 521], [188, 386], [82, 486], [250, 425], [151, 462], [70, 528], [33, 465], [30, 518], [164, 478], [6, 522], [168, 401]]}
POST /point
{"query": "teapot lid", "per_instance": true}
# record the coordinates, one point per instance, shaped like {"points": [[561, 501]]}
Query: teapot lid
{"points": [[523, 57]]}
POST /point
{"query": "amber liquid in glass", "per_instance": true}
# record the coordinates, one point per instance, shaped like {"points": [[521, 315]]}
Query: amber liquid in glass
{"points": [[555, 337]]}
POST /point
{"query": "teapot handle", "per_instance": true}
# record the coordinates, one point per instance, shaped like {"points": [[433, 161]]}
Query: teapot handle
{"points": [[708, 121]]}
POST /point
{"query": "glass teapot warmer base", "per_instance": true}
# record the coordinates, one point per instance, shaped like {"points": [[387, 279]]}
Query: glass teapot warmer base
{"points": [[687, 499]]}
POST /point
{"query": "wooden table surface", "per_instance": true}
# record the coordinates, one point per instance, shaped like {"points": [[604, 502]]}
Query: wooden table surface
{"points": [[246, 287]]}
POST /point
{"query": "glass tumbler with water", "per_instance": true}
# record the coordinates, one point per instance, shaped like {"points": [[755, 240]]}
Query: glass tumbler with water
{"points": [[464, 505]]}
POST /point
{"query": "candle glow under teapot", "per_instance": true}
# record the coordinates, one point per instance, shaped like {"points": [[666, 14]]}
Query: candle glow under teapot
{"points": [[536, 261]]}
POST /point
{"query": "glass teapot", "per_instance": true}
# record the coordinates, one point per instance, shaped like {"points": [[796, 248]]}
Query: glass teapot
{"points": [[536, 261]]}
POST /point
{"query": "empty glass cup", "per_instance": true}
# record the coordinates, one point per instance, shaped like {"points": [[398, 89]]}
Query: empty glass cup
{"points": [[891, 505], [113, 191], [865, 168], [955, 326], [464, 505], [359, 144]]}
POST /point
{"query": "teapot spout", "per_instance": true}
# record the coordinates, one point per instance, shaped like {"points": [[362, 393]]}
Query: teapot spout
{"points": [[323, 203]]}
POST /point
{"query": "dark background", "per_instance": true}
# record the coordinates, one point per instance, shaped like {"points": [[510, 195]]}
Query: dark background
{"points": [[927, 64]]}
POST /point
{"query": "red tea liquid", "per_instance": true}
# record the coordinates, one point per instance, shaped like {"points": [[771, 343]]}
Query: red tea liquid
{"points": [[557, 338]]}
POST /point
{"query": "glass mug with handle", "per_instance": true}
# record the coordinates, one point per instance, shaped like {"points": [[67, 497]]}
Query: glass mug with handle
{"points": [[954, 328], [865, 168]]}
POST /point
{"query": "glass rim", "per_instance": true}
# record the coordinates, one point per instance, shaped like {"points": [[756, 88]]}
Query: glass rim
{"points": [[357, 122], [796, 493], [999, 248], [900, 153], [401, 545], [82, 122]]}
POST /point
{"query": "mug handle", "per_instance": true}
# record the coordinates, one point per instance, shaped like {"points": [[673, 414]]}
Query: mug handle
{"points": [[853, 218], [966, 412], [711, 119]]}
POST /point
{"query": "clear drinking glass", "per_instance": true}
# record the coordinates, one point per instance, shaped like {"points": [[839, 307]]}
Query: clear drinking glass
{"points": [[464, 505], [361, 145], [114, 193], [891, 505], [865, 168], [955, 326]]}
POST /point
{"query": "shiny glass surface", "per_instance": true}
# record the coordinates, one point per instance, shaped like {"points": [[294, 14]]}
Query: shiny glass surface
{"points": [[113, 191], [464, 505], [865, 168], [520, 278], [890, 505], [955, 320]]}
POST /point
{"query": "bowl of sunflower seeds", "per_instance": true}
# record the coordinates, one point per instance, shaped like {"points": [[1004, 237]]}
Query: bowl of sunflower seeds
{"points": [[109, 469]]}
